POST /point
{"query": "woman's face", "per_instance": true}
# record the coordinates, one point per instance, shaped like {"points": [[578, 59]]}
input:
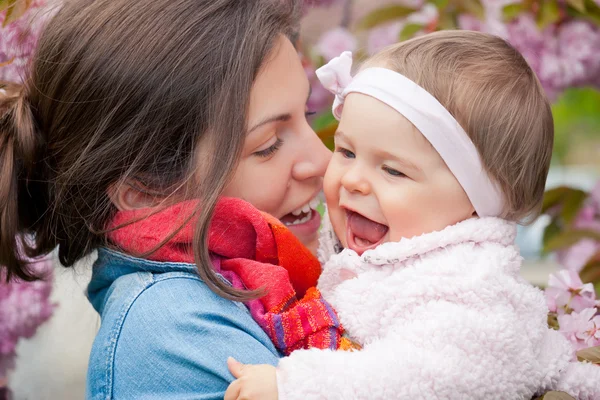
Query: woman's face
{"points": [[283, 161]]}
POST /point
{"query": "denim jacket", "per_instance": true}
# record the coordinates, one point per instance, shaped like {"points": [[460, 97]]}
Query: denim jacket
{"points": [[164, 333]]}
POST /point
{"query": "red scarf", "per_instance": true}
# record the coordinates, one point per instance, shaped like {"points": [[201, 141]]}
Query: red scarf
{"points": [[252, 250]]}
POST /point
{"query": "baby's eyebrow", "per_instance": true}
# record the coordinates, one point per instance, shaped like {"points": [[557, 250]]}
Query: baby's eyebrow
{"points": [[386, 155], [341, 135]]}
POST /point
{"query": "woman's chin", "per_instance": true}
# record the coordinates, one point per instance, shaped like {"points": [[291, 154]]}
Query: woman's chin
{"points": [[308, 232]]}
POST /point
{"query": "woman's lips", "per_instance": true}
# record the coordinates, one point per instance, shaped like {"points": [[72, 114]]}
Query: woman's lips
{"points": [[303, 230]]}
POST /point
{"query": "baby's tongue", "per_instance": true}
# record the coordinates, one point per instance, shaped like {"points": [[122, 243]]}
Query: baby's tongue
{"points": [[365, 229]]}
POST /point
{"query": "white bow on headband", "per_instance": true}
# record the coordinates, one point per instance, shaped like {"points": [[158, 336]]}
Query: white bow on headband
{"points": [[335, 76], [428, 115]]}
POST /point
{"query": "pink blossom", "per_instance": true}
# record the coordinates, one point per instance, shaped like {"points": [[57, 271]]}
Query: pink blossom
{"points": [[388, 34], [469, 22], [595, 194], [18, 39], [565, 55], [334, 42], [23, 307], [576, 257], [383, 36], [566, 291], [581, 328], [588, 218], [319, 3], [319, 96]]}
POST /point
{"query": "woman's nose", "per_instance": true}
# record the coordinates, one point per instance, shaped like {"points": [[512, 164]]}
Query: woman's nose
{"points": [[314, 158]]}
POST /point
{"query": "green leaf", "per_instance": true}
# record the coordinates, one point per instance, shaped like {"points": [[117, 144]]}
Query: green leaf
{"points": [[589, 16], [440, 4], [551, 231], [549, 14], [568, 238], [473, 7], [553, 321], [555, 196], [555, 396], [4, 4], [409, 31], [383, 15], [592, 11], [511, 11], [591, 354], [325, 126], [572, 204], [447, 22], [590, 273], [15, 10], [579, 5], [323, 120]]}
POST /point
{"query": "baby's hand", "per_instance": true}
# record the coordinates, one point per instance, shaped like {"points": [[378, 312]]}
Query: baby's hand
{"points": [[253, 382]]}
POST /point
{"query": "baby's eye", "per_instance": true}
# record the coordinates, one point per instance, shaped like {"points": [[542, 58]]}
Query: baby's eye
{"points": [[392, 171], [345, 152]]}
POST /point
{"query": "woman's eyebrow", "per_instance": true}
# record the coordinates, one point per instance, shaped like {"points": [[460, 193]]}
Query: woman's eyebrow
{"points": [[275, 118]]}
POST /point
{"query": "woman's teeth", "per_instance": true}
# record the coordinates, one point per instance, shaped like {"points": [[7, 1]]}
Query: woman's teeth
{"points": [[306, 210], [312, 205], [301, 220]]}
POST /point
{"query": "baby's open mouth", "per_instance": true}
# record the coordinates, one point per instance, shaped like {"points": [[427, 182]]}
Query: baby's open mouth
{"points": [[363, 234]]}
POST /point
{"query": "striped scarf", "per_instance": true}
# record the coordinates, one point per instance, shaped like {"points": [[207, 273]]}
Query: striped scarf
{"points": [[252, 250]]}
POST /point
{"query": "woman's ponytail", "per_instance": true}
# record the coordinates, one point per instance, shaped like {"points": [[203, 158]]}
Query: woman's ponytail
{"points": [[19, 151]]}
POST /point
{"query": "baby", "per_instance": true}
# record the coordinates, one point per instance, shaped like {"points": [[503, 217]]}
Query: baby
{"points": [[443, 146]]}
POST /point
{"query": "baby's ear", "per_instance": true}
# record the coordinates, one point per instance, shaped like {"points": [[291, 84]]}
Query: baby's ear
{"points": [[132, 195]]}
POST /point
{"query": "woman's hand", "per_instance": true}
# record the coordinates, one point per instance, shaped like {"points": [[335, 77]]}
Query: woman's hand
{"points": [[253, 382]]}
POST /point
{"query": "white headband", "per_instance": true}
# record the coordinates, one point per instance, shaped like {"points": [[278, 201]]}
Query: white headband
{"points": [[427, 114]]}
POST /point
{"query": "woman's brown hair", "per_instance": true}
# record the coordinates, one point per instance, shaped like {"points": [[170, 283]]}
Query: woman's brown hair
{"points": [[122, 91], [489, 88]]}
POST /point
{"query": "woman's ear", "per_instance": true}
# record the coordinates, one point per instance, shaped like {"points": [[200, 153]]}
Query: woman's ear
{"points": [[131, 195]]}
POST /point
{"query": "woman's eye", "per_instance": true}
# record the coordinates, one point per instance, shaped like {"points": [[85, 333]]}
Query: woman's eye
{"points": [[392, 171], [345, 152], [309, 113], [269, 150]]}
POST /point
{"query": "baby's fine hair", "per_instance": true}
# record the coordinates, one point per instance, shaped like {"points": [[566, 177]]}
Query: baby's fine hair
{"points": [[489, 88], [136, 92]]}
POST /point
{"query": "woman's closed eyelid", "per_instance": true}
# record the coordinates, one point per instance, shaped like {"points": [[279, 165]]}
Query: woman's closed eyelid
{"points": [[269, 150]]}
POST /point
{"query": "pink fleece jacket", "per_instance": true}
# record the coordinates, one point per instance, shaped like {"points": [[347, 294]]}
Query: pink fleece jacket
{"points": [[442, 316]]}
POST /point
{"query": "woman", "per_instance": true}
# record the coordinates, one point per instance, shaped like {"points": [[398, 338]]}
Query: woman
{"points": [[139, 105]]}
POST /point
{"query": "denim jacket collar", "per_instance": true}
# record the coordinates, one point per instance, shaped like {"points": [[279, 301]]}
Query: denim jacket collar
{"points": [[111, 265]]}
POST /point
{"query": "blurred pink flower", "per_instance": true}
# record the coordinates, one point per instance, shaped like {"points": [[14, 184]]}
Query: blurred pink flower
{"points": [[388, 34], [23, 307], [334, 42], [320, 97], [595, 194], [588, 218], [566, 290], [319, 3], [575, 257], [383, 36], [582, 329], [563, 56], [18, 39]]}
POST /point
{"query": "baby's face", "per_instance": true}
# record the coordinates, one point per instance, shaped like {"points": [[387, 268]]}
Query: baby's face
{"points": [[385, 181]]}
